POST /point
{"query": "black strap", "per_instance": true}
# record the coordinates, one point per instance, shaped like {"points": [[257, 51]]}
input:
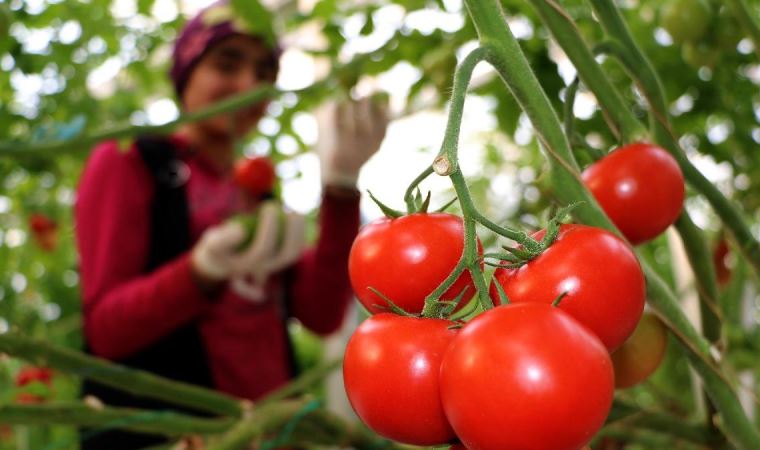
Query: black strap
{"points": [[180, 355]]}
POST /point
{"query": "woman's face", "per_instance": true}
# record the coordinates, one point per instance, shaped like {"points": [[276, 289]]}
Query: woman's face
{"points": [[229, 68]]}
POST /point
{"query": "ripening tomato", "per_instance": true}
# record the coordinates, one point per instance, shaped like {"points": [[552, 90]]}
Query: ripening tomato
{"points": [[598, 272], [255, 175], [526, 376], [642, 353], [640, 187], [391, 370], [406, 258], [29, 375]]}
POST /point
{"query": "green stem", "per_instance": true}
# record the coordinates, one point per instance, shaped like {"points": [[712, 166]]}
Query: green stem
{"points": [[624, 414], [134, 381], [84, 143], [300, 384], [510, 62], [462, 79], [409, 195], [747, 20], [79, 414], [569, 117]]}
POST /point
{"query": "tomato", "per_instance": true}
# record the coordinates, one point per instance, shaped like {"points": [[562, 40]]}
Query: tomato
{"points": [[640, 187], [29, 375], [642, 353], [391, 370], [526, 376], [686, 20], [598, 272], [255, 175], [406, 258], [720, 261], [44, 231]]}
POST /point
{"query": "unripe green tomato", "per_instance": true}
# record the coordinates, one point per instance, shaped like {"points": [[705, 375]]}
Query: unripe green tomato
{"points": [[700, 55], [686, 20]]}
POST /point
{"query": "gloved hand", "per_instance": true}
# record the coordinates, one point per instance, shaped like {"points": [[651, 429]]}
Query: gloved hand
{"points": [[349, 134], [279, 241], [213, 257]]}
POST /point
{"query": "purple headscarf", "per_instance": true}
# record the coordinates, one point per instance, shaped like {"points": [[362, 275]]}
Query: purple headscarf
{"points": [[210, 26]]}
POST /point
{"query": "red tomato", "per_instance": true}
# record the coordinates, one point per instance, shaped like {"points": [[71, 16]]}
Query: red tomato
{"points": [[640, 187], [406, 259], [595, 268], [44, 231], [255, 175], [642, 353], [28, 375], [720, 260], [391, 370], [526, 376]]}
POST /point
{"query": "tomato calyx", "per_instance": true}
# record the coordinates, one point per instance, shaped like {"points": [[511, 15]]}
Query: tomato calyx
{"points": [[530, 248], [418, 205], [433, 309]]}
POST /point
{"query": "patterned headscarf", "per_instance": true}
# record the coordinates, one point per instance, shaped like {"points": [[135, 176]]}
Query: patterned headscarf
{"points": [[213, 24]]}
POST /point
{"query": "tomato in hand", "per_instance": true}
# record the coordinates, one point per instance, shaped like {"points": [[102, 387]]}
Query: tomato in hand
{"points": [[640, 187], [642, 353], [406, 258], [255, 175], [391, 370], [526, 376], [595, 269]]}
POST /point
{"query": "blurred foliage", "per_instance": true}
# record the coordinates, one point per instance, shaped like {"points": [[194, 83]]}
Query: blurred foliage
{"points": [[53, 53]]}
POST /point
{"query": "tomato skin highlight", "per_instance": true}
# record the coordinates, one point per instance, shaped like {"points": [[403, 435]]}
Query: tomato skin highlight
{"points": [[598, 272], [640, 356], [526, 376], [406, 258], [640, 187], [391, 372]]}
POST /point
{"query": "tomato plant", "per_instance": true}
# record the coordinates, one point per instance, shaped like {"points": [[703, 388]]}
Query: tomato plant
{"points": [[391, 372], [640, 187], [406, 258], [642, 353], [255, 175], [597, 272], [526, 376]]}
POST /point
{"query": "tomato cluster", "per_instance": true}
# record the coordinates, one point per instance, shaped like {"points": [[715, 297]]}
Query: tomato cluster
{"points": [[539, 369]]}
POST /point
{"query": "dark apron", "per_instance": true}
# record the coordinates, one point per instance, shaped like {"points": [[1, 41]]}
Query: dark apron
{"points": [[180, 355]]}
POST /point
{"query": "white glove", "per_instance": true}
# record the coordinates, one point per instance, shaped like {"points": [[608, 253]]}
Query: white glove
{"points": [[279, 241], [349, 134], [212, 258]]}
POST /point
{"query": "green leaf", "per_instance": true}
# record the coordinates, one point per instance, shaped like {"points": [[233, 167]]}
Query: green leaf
{"points": [[256, 18]]}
